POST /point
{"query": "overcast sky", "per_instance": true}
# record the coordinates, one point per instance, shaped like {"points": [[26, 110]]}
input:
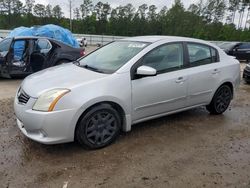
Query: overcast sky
{"points": [[114, 3]]}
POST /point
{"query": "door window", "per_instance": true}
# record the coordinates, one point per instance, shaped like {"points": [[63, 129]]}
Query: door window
{"points": [[43, 46], [165, 58], [201, 54]]}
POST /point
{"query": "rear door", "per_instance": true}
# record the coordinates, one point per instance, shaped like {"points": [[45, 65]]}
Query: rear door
{"points": [[204, 73]]}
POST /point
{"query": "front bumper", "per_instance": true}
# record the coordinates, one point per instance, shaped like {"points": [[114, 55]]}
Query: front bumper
{"points": [[45, 127], [246, 75]]}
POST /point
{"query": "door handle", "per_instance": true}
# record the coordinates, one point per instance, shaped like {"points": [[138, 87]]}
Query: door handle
{"points": [[180, 80]]}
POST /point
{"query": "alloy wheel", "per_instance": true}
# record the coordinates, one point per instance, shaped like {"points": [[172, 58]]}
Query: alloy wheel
{"points": [[101, 127]]}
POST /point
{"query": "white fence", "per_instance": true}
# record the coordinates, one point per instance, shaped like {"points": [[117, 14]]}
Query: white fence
{"points": [[92, 39], [98, 39], [4, 33]]}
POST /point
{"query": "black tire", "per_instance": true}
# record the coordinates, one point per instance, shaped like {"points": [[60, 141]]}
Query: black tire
{"points": [[247, 82], [221, 100], [99, 127]]}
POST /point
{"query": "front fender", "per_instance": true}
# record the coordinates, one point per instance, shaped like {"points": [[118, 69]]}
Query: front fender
{"points": [[128, 120]]}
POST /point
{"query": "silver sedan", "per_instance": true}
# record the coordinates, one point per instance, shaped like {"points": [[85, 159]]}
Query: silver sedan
{"points": [[123, 83]]}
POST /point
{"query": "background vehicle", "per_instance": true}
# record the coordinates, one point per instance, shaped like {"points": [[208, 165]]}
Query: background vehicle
{"points": [[79, 40], [124, 83], [246, 74], [21, 56], [238, 49]]}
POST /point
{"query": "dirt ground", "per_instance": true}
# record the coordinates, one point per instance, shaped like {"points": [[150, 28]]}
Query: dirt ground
{"points": [[189, 149]]}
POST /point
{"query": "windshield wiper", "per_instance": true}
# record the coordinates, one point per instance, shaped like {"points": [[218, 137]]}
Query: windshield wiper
{"points": [[76, 62], [93, 68]]}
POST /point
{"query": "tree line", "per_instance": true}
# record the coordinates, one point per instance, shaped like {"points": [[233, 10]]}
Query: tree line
{"points": [[207, 19]]}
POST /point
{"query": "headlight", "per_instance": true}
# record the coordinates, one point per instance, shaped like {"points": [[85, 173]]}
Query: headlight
{"points": [[47, 101]]}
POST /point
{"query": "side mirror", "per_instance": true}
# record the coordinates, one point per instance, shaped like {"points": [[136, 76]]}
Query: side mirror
{"points": [[146, 71]]}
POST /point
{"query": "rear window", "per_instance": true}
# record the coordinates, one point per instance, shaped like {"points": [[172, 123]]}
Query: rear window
{"points": [[244, 46], [43, 44], [201, 54]]}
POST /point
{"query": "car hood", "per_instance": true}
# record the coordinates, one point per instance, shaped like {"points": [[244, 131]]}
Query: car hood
{"points": [[64, 76]]}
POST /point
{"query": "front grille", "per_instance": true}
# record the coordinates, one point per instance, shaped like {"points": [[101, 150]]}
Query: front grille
{"points": [[22, 97]]}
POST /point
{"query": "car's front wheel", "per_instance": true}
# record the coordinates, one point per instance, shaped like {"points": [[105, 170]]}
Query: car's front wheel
{"points": [[99, 127], [221, 100]]}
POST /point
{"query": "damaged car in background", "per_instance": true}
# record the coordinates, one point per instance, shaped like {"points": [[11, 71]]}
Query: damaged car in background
{"points": [[240, 50], [246, 74], [21, 56], [30, 49]]}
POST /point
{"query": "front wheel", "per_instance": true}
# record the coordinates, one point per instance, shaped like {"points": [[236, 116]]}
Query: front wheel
{"points": [[221, 100], [99, 127]]}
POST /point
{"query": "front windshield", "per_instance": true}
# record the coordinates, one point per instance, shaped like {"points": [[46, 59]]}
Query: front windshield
{"points": [[4, 46], [111, 57]]}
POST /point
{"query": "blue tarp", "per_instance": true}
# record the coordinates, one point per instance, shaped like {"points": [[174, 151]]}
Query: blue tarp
{"points": [[51, 31]]}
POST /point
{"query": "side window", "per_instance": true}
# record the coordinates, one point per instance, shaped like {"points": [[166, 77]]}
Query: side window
{"points": [[164, 58], [201, 54], [43, 45], [244, 46], [214, 55]]}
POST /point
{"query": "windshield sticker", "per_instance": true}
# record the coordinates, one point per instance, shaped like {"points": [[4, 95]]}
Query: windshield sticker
{"points": [[134, 45]]}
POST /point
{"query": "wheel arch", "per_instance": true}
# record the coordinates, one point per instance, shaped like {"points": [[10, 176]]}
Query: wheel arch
{"points": [[228, 83], [126, 125]]}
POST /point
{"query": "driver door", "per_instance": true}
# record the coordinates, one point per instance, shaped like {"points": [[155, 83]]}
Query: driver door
{"points": [[18, 57], [165, 92]]}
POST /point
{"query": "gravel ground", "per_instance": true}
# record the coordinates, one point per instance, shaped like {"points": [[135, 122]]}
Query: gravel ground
{"points": [[189, 149]]}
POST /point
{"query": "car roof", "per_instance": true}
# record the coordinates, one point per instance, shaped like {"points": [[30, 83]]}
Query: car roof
{"points": [[60, 43], [153, 39], [31, 37]]}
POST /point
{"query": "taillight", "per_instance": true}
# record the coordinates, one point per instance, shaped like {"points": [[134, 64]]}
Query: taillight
{"points": [[82, 52]]}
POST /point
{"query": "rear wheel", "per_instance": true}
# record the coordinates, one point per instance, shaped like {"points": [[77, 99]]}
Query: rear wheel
{"points": [[221, 100], [99, 127]]}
